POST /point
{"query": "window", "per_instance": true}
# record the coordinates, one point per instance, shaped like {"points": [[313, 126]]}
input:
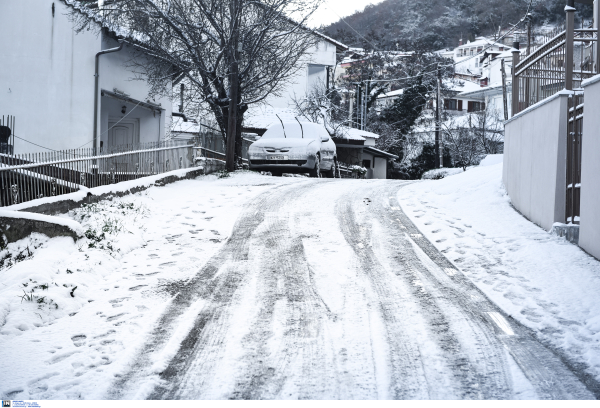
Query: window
{"points": [[450, 104], [453, 104], [475, 106], [367, 164]]}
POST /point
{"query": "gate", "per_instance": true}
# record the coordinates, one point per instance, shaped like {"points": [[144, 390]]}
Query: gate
{"points": [[574, 133]]}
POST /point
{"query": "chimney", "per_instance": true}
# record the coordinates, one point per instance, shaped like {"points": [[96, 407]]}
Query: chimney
{"points": [[460, 42]]}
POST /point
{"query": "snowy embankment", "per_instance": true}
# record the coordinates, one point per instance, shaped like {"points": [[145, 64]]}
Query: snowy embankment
{"points": [[543, 281], [73, 313]]}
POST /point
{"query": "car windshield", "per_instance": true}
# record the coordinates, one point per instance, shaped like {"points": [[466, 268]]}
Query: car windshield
{"points": [[293, 131]]}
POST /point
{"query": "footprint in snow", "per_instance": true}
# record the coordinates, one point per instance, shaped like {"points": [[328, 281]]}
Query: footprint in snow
{"points": [[115, 317], [79, 340], [137, 287]]}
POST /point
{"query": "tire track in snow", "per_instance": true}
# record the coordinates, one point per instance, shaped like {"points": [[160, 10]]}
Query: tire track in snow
{"points": [[542, 366], [216, 282], [298, 362], [408, 379]]}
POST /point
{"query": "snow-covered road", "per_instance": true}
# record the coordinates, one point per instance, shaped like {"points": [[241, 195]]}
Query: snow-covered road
{"points": [[308, 289]]}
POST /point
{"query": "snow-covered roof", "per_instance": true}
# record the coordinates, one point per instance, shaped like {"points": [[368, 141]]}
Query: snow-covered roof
{"points": [[391, 94], [179, 126], [377, 152], [480, 41], [338, 45], [461, 86], [357, 134]]}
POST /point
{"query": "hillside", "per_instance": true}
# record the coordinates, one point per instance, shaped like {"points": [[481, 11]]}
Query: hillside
{"points": [[435, 24]]}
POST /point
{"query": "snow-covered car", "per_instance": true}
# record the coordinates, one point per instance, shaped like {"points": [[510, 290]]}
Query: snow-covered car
{"points": [[295, 147]]}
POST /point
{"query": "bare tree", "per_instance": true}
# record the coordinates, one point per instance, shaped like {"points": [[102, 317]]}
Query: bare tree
{"points": [[231, 53], [322, 105], [488, 130], [462, 141]]}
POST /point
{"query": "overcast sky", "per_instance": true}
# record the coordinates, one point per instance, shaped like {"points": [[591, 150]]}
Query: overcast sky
{"points": [[332, 10]]}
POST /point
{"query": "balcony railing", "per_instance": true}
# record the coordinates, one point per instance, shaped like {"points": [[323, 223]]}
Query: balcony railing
{"points": [[563, 62]]}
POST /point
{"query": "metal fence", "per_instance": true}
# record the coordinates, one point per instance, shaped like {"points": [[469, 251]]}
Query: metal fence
{"points": [[25, 177], [574, 135], [563, 62]]}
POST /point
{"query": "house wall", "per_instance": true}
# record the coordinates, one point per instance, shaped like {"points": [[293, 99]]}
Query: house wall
{"points": [[44, 81], [47, 75], [380, 168], [534, 161], [114, 74], [589, 230], [323, 54]]}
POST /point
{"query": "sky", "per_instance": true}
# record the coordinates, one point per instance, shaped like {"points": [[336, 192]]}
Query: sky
{"points": [[332, 10]]}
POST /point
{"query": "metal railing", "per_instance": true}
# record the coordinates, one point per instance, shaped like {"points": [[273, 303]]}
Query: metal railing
{"points": [[25, 177], [574, 136], [563, 62]]}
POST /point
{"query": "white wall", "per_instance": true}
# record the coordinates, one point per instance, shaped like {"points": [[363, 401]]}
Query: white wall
{"points": [[380, 168], [534, 161], [47, 75], [589, 230], [44, 82], [322, 54], [115, 74]]}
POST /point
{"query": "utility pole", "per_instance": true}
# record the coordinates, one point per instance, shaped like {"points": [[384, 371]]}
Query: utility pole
{"points": [[528, 33], [350, 110], [504, 97], [439, 162], [233, 89], [366, 105]]}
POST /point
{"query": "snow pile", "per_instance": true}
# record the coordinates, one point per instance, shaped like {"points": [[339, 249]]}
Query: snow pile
{"points": [[492, 159], [545, 282], [437, 174]]}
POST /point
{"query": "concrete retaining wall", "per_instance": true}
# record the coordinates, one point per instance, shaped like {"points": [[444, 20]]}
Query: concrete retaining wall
{"points": [[534, 170], [65, 203], [15, 229], [589, 233]]}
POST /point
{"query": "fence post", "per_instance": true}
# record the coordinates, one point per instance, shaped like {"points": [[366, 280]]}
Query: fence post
{"points": [[515, 80], [570, 11]]}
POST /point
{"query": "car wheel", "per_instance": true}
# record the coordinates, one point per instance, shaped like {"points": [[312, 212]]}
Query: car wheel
{"points": [[316, 172], [333, 172]]}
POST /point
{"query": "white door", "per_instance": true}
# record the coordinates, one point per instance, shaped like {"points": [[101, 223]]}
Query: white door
{"points": [[122, 133], [122, 136]]}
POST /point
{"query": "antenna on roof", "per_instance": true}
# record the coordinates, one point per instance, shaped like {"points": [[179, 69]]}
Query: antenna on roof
{"points": [[281, 125], [301, 128]]}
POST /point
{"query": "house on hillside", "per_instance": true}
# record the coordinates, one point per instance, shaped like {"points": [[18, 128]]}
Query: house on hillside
{"points": [[492, 93], [467, 58], [48, 83], [316, 69]]}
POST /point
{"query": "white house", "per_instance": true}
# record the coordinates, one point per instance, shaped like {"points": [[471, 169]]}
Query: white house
{"points": [[465, 54], [492, 93], [47, 81], [316, 68]]}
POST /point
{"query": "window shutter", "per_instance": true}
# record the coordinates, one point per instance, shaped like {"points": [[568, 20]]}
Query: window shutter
{"points": [[482, 105], [460, 104]]}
